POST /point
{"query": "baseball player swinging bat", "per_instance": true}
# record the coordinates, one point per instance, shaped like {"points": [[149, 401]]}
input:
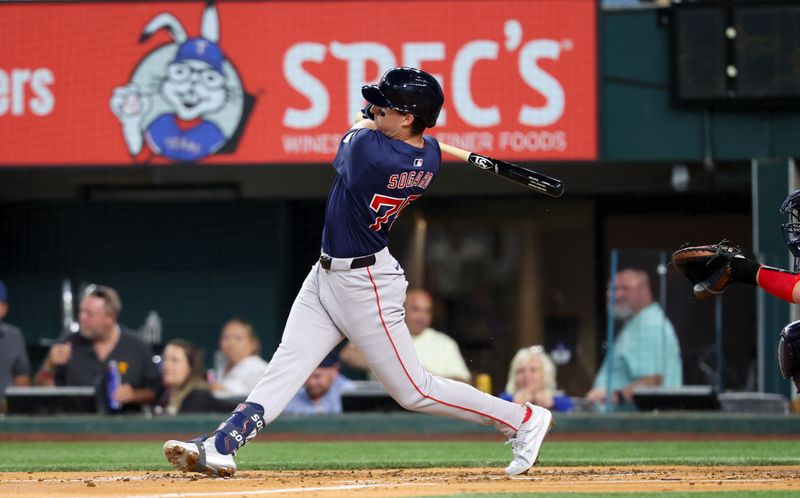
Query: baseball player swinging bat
{"points": [[517, 174], [357, 288]]}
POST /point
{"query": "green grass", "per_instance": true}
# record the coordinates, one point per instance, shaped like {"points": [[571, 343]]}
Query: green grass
{"points": [[98, 456]]}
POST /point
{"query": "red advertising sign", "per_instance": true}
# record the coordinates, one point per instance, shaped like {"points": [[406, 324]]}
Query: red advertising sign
{"points": [[279, 82]]}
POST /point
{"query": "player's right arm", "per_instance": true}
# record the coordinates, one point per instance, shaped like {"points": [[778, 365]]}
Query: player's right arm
{"points": [[364, 123], [712, 268], [364, 119], [782, 284]]}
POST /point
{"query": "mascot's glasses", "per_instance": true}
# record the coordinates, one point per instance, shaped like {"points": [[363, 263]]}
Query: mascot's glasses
{"points": [[211, 79]]}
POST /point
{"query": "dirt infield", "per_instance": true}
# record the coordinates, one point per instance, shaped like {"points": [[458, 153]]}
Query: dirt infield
{"points": [[398, 483]]}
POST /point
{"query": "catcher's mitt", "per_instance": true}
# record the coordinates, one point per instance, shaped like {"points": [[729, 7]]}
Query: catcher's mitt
{"points": [[707, 267]]}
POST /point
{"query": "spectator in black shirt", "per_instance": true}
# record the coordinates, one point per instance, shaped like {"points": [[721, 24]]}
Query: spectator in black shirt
{"points": [[14, 365], [83, 359], [183, 381]]}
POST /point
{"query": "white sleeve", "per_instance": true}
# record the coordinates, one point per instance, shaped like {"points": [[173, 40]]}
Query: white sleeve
{"points": [[456, 363], [449, 362], [243, 377]]}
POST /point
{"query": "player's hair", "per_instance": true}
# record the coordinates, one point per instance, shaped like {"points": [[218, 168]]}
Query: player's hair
{"points": [[522, 356], [195, 379], [110, 297], [417, 126], [251, 332]]}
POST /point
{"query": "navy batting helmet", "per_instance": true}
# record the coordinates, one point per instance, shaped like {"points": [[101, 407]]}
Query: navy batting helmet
{"points": [[409, 90], [791, 230], [789, 353]]}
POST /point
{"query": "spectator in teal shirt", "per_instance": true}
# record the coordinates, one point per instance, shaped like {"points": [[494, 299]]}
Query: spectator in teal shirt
{"points": [[646, 350]]}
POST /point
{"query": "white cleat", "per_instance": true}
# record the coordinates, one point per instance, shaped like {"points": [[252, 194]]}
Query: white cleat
{"points": [[528, 440], [199, 455]]}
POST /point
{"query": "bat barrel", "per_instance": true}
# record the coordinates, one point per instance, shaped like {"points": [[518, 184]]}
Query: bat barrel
{"points": [[531, 179], [517, 174]]}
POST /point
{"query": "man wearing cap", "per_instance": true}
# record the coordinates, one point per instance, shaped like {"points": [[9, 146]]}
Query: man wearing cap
{"points": [[322, 393], [194, 88], [15, 368]]}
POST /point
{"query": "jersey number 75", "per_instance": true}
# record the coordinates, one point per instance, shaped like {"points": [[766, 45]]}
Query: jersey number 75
{"points": [[395, 205]]}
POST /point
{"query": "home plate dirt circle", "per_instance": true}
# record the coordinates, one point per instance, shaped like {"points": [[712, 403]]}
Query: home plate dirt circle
{"points": [[398, 483]]}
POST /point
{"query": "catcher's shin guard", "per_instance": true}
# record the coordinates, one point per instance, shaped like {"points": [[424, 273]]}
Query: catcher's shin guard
{"points": [[241, 427]]}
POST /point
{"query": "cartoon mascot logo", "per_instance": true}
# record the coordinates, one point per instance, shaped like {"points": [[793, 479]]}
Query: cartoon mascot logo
{"points": [[185, 99]]}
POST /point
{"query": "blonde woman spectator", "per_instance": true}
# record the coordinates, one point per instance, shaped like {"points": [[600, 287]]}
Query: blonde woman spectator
{"points": [[184, 387], [532, 378], [242, 366]]}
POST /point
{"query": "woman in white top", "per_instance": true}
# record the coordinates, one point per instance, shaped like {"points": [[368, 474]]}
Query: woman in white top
{"points": [[242, 366]]}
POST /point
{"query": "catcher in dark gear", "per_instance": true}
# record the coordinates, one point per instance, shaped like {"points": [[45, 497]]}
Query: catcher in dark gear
{"points": [[789, 353], [791, 230], [713, 268]]}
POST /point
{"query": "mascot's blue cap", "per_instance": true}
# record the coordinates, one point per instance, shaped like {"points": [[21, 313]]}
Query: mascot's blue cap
{"points": [[200, 49]]}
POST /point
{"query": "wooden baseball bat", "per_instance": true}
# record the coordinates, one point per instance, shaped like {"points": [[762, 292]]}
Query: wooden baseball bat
{"points": [[517, 174]]}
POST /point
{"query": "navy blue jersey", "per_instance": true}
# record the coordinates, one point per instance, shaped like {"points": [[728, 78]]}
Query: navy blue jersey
{"points": [[377, 178]]}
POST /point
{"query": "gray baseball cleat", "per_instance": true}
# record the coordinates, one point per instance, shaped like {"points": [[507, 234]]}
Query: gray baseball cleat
{"points": [[199, 455], [528, 440]]}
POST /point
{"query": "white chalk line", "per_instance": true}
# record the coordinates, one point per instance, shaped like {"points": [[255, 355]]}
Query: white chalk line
{"points": [[279, 490]]}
